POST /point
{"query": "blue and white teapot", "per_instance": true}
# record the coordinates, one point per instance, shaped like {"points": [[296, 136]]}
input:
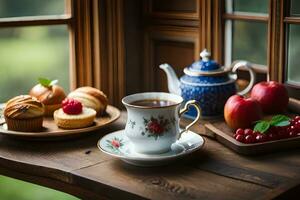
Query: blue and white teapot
{"points": [[208, 83]]}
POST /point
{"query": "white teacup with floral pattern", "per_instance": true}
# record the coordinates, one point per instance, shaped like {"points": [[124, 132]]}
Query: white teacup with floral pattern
{"points": [[152, 130]]}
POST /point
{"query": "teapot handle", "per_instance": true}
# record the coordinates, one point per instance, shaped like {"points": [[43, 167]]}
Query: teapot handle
{"points": [[248, 66]]}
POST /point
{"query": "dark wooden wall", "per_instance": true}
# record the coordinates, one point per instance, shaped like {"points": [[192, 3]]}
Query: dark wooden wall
{"points": [[133, 33], [156, 32], [171, 35]]}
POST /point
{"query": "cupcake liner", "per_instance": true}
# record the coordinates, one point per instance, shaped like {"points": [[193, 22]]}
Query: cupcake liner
{"points": [[25, 125]]}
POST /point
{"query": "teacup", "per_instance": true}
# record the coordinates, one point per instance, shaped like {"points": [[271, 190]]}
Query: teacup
{"points": [[153, 120]]}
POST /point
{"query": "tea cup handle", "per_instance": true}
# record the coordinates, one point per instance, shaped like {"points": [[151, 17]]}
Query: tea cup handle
{"points": [[252, 75], [185, 109]]}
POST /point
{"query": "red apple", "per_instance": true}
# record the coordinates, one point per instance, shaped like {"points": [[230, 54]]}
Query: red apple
{"points": [[240, 112], [272, 96]]}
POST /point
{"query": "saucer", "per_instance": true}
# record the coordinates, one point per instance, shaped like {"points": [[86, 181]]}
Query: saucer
{"points": [[118, 145]]}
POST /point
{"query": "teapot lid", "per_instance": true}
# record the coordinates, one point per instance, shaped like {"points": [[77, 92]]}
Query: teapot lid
{"points": [[205, 66]]}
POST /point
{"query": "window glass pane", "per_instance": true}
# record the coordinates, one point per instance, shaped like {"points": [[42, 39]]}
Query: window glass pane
{"points": [[249, 41], [256, 6], [27, 53], [19, 8], [295, 7], [293, 70]]}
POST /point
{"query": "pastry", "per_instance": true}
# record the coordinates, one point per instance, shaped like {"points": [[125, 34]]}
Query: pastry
{"points": [[24, 113], [73, 115], [50, 94], [91, 97]]}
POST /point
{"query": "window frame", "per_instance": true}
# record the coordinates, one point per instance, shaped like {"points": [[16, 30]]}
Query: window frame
{"points": [[279, 45], [277, 39], [287, 20]]}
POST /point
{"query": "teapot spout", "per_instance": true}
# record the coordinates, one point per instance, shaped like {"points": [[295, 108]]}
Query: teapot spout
{"points": [[173, 81]]}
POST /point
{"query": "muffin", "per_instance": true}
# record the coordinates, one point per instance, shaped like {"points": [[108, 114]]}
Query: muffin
{"points": [[24, 113], [73, 115], [50, 94], [91, 97]]}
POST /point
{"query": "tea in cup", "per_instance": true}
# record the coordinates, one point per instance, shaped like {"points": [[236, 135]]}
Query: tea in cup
{"points": [[153, 120]]}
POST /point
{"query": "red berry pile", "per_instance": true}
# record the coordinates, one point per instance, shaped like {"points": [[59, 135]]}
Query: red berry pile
{"points": [[71, 106], [249, 136]]}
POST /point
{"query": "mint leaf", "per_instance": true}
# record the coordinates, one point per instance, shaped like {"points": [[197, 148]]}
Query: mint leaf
{"points": [[283, 123], [278, 119], [53, 82], [46, 82], [257, 121], [262, 126]]}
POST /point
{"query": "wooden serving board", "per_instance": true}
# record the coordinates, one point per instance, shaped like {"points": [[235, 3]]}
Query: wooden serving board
{"points": [[223, 134], [52, 132]]}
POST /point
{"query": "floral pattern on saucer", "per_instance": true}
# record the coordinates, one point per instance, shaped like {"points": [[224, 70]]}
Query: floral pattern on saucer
{"points": [[115, 144]]}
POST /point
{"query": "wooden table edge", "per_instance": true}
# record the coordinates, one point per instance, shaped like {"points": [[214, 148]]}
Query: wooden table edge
{"points": [[65, 180], [70, 187]]}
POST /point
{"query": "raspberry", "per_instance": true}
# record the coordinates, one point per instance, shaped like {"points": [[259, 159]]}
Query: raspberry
{"points": [[71, 106]]}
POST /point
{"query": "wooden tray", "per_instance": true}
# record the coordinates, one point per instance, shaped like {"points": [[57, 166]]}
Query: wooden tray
{"points": [[51, 131], [222, 133]]}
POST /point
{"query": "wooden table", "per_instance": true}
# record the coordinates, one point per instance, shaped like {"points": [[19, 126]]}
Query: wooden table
{"points": [[215, 172]]}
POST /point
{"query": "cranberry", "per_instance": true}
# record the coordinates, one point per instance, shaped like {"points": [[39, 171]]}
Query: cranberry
{"points": [[272, 130], [250, 139], [248, 131], [292, 134], [297, 126], [285, 129], [239, 131], [297, 118], [273, 136], [282, 134], [261, 138], [71, 106], [292, 128], [240, 138], [255, 133]]}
